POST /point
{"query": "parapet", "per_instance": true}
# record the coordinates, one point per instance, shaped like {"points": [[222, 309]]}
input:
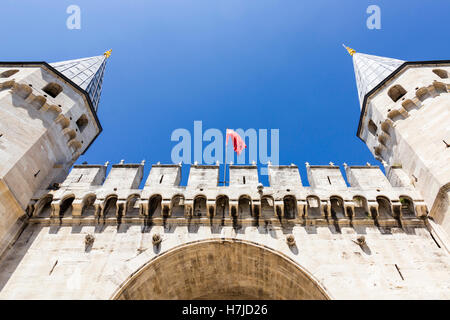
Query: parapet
{"points": [[366, 177], [164, 175], [124, 176], [243, 175], [85, 175], [284, 176], [203, 176], [369, 197], [325, 177]]}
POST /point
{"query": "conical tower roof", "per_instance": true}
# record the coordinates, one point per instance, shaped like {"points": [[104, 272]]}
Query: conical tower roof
{"points": [[87, 73], [371, 70]]}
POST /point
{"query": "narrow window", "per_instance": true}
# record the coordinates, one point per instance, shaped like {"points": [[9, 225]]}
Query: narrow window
{"points": [[52, 89], [244, 179], [8, 73], [441, 73], [372, 127], [82, 122], [81, 176], [160, 181], [329, 181], [396, 92]]}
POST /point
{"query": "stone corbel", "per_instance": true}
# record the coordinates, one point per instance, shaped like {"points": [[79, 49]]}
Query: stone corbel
{"points": [[279, 204], [210, 204], [55, 208], [77, 207], [301, 205]]}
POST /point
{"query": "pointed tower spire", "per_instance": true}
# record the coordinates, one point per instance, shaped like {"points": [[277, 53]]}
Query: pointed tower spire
{"points": [[371, 70], [87, 73]]}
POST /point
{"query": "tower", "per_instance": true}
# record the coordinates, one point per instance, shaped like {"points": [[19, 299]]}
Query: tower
{"points": [[405, 123], [48, 118]]}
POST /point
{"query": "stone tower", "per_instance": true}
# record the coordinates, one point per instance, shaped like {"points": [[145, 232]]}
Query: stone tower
{"points": [[48, 119], [405, 122]]}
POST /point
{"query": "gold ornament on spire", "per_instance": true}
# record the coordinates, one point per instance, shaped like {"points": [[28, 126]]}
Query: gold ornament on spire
{"points": [[107, 54], [350, 50]]}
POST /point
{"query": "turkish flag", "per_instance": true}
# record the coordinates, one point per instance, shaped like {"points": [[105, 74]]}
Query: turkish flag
{"points": [[238, 142]]}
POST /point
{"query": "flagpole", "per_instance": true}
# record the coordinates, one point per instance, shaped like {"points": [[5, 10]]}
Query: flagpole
{"points": [[225, 164]]}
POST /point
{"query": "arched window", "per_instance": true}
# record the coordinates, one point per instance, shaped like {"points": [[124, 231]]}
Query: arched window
{"points": [[110, 208], [384, 208], [337, 208], [178, 206], [441, 73], [65, 208], [8, 73], [407, 207], [82, 122], [396, 92], [372, 127], [313, 207], [52, 89], [244, 207], [44, 207], [361, 207], [222, 207], [267, 207], [290, 207], [132, 206], [200, 206], [154, 206]]}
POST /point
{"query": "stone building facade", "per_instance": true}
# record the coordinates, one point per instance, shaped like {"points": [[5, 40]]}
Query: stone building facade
{"points": [[92, 235]]}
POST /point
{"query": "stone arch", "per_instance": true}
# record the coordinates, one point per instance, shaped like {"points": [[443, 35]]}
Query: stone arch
{"points": [[53, 89], [337, 207], [82, 122], [110, 206], [313, 207], [396, 92], [65, 206], [407, 207], [222, 206], [132, 205], [155, 205], [225, 269], [384, 208], [200, 206], [88, 207], [244, 206], [361, 208], [177, 205], [267, 207], [290, 207], [44, 207]]}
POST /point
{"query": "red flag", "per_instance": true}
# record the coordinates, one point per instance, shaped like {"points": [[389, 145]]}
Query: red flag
{"points": [[238, 143]]}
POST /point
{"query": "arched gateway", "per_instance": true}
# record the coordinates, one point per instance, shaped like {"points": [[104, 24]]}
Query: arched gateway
{"points": [[221, 269]]}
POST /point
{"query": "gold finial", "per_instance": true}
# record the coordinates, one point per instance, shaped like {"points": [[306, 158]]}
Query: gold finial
{"points": [[107, 54], [350, 50]]}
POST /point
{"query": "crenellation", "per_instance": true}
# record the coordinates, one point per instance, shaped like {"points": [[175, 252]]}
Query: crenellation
{"points": [[164, 175], [241, 175], [287, 176], [203, 176], [124, 176], [326, 177], [359, 202]]}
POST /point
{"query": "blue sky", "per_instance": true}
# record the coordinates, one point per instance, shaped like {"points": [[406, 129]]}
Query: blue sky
{"points": [[260, 64]]}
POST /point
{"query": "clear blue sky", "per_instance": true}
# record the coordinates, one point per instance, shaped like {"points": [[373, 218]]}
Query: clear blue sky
{"points": [[230, 63]]}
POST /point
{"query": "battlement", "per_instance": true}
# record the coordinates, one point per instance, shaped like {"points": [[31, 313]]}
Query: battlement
{"points": [[369, 199], [284, 176]]}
